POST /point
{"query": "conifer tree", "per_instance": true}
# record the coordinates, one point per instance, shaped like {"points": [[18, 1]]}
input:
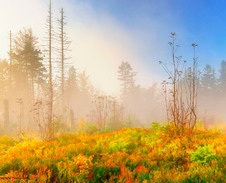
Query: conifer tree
{"points": [[27, 59], [222, 78], [127, 77], [208, 79]]}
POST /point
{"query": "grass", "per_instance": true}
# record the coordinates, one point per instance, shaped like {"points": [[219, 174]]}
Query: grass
{"points": [[127, 155]]}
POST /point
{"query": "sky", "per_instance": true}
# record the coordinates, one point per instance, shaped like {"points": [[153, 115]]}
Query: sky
{"points": [[105, 33]]}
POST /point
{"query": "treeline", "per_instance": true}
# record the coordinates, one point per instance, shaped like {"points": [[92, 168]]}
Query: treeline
{"points": [[212, 93], [37, 95], [24, 90]]}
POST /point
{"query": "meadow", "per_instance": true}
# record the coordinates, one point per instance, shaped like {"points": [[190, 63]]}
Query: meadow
{"points": [[126, 155]]}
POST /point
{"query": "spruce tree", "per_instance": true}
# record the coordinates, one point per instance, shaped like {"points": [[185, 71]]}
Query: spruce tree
{"points": [[28, 60], [127, 77], [208, 79], [222, 78]]}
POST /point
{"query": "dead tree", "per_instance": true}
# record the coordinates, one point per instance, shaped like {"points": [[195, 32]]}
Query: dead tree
{"points": [[72, 119], [64, 47], [20, 102], [50, 125], [10, 63], [6, 113], [10, 74], [181, 91], [102, 108]]}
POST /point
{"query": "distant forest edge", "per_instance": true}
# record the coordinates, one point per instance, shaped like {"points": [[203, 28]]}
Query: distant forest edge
{"points": [[40, 94]]}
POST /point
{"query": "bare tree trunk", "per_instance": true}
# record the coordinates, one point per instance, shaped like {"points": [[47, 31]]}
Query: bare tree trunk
{"points": [[32, 89], [64, 47], [6, 113], [62, 52], [50, 120], [72, 119], [10, 71], [182, 101], [194, 92]]}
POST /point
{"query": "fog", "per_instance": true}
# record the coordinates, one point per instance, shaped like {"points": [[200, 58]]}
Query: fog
{"points": [[102, 84], [25, 103]]}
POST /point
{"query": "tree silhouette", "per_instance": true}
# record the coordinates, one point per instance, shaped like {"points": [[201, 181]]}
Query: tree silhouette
{"points": [[181, 90], [127, 77], [27, 58], [222, 78], [208, 80]]}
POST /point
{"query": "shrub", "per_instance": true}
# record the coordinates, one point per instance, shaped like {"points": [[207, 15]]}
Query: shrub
{"points": [[101, 173], [87, 127], [61, 127], [204, 155]]}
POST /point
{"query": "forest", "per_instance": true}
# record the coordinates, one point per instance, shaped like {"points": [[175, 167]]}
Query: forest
{"points": [[57, 126]]}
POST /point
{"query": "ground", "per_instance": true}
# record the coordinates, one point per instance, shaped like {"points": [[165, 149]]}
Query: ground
{"points": [[127, 155]]}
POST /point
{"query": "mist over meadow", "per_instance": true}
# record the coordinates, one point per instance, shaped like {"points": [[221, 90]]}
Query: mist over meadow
{"points": [[60, 78], [118, 91]]}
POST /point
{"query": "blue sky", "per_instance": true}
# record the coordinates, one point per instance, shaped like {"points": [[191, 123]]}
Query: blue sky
{"points": [[200, 21], [106, 32]]}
